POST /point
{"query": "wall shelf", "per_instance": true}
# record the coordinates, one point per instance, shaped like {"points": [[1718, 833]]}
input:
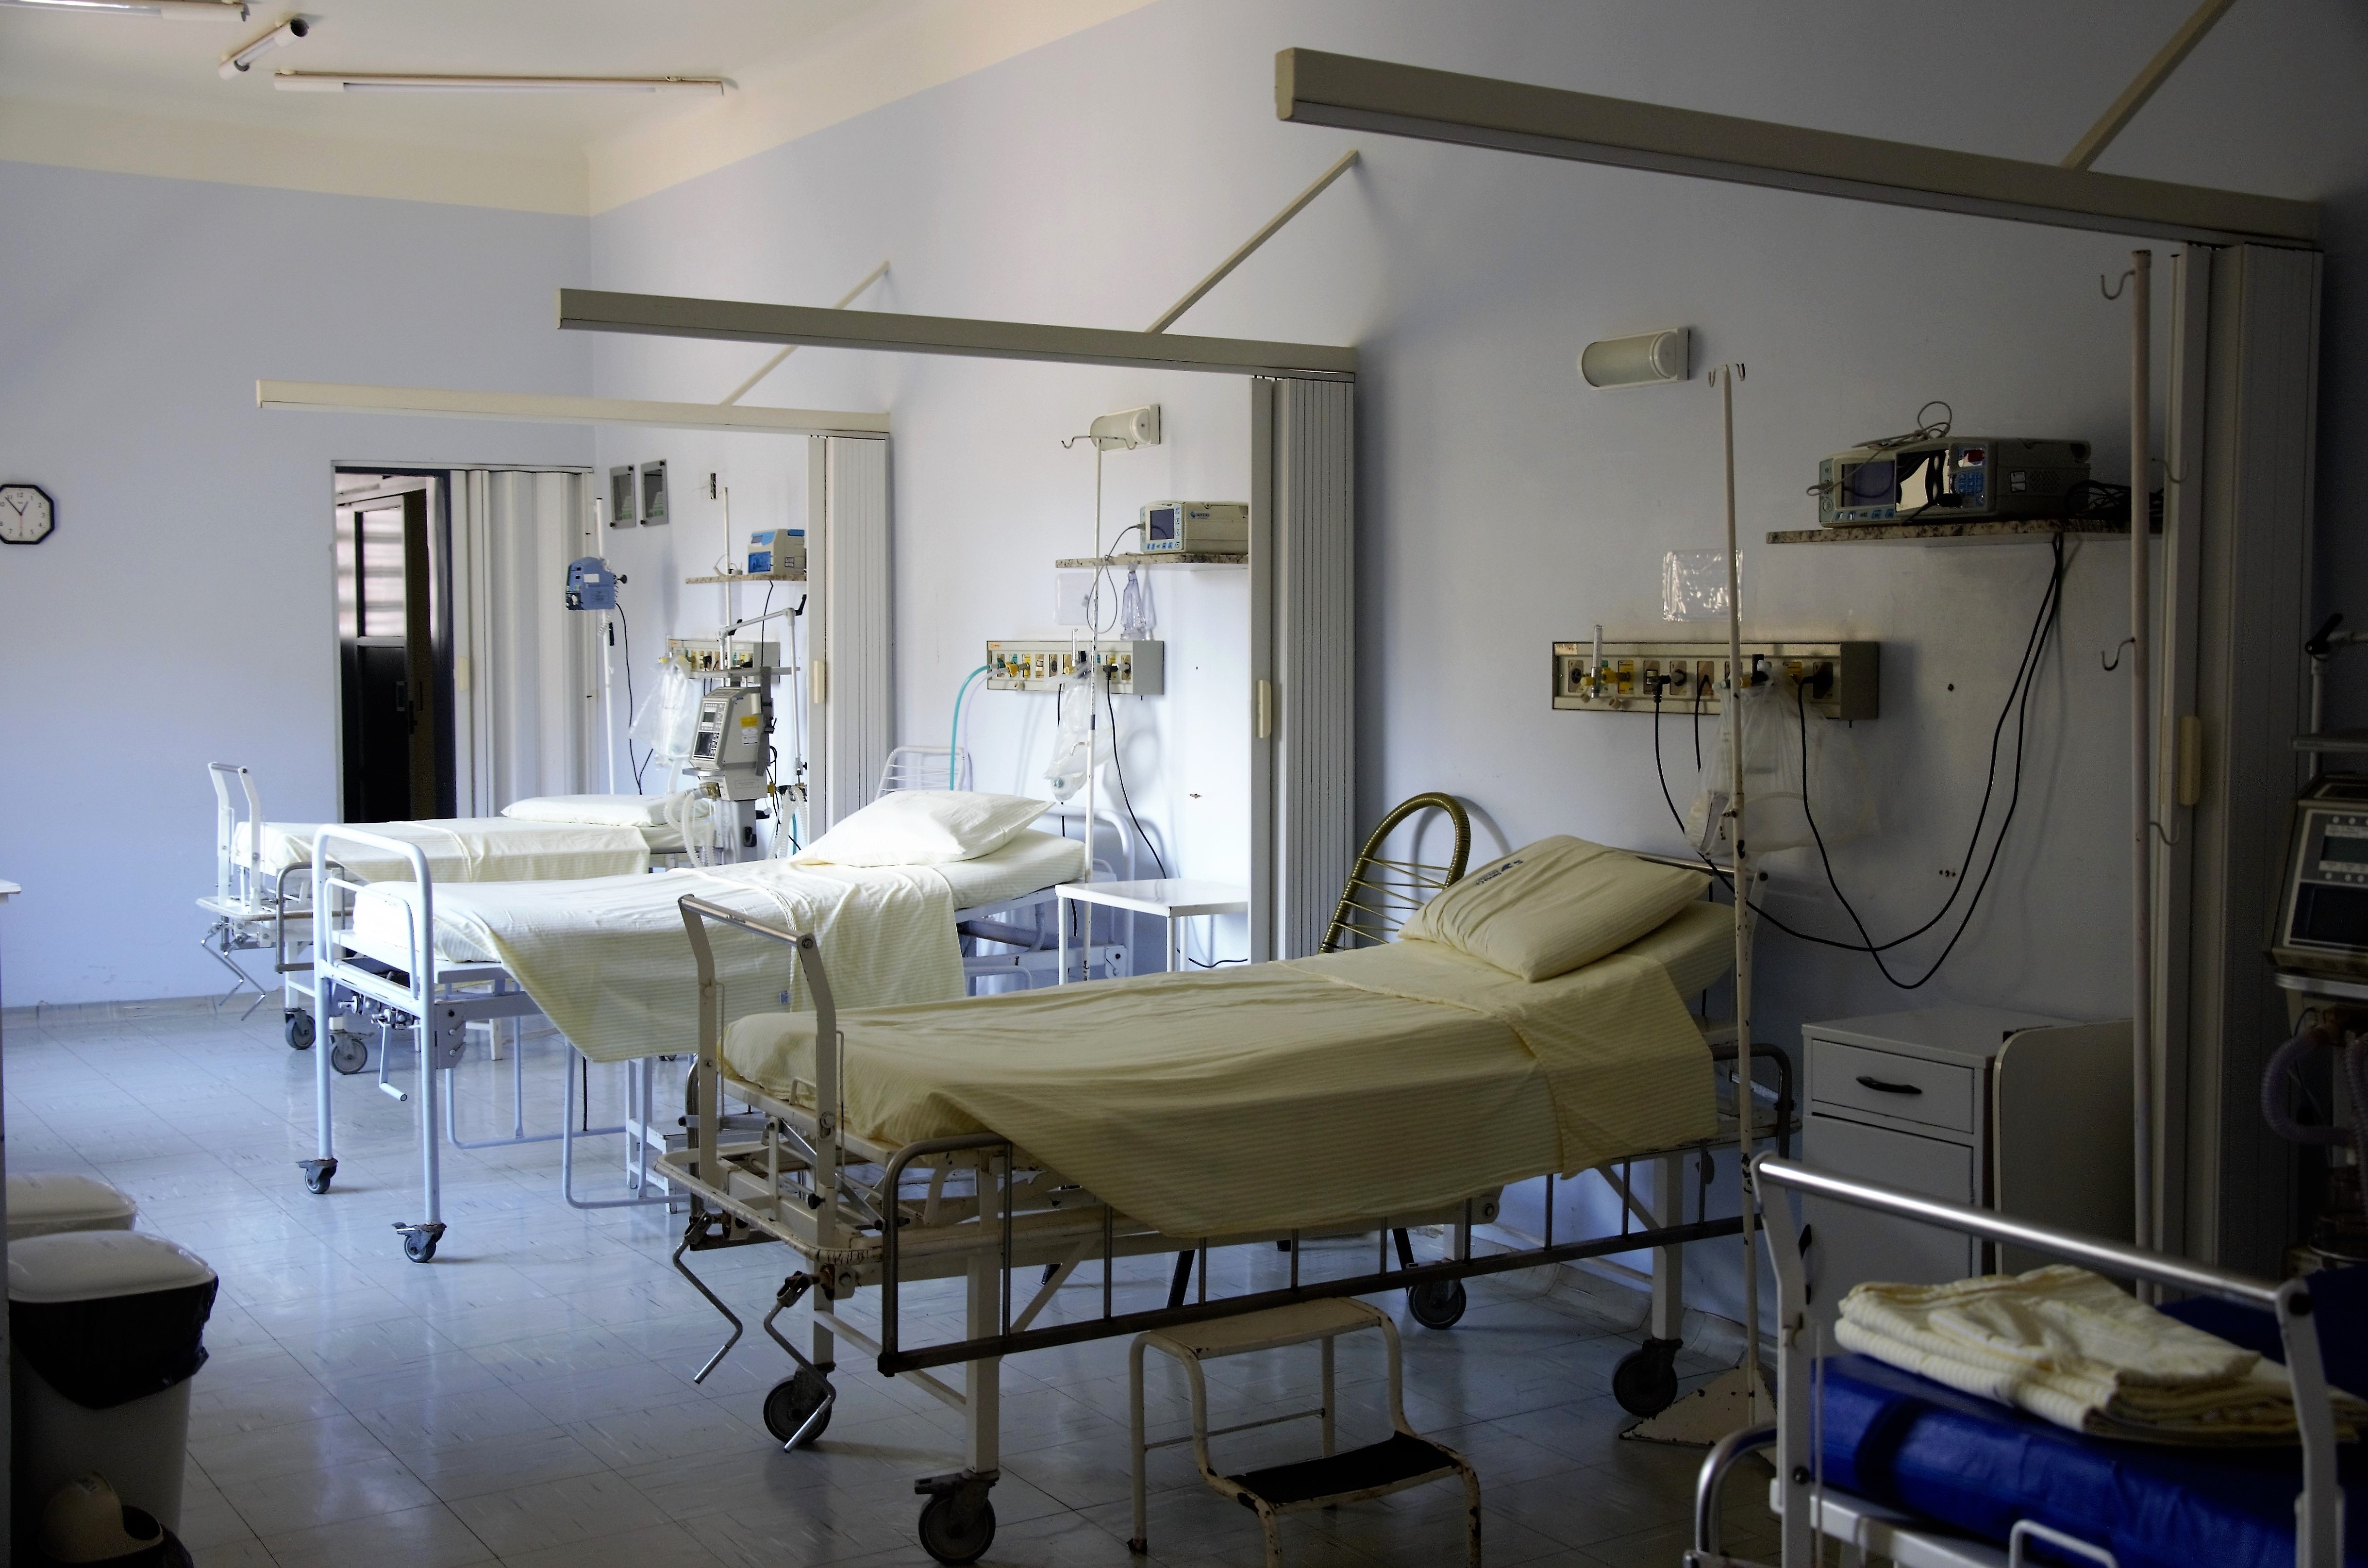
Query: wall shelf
{"points": [[1166, 558], [749, 577], [2015, 531]]}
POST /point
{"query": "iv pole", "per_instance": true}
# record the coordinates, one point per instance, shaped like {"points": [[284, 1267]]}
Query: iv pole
{"points": [[2142, 1128], [1735, 680]]}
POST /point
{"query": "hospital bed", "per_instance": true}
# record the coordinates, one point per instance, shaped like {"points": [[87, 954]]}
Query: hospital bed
{"points": [[1021, 1144], [601, 958], [1897, 1466], [263, 872]]}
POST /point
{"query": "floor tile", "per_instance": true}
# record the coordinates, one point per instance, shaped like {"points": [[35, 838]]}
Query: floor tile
{"points": [[431, 1537], [527, 1398]]}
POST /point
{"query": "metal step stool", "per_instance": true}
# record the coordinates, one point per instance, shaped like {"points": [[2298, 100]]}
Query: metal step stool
{"points": [[1401, 1460]]}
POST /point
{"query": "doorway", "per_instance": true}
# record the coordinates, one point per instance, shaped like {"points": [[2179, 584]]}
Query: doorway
{"points": [[395, 646]]}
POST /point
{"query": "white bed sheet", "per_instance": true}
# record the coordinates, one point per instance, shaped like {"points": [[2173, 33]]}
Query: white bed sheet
{"points": [[382, 922], [466, 849]]}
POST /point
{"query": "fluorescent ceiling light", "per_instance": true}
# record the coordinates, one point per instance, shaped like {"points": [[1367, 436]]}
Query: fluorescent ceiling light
{"points": [[239, 61], [348, 82], [182, 10]]}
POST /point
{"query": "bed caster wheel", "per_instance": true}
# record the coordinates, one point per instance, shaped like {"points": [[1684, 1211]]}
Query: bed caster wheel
{"points": [[1645, 1382], [1437, 1304], [350, 1054], [316, 1175], [298, 1028], [419, 1241], [798, 1409], [958, 1523]]}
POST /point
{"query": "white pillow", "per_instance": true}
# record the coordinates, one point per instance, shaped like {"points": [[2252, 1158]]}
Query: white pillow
{"points": [[923, 827], [592, 811], [1551, 906]]}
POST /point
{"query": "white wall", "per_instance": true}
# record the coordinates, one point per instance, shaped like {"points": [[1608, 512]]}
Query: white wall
{"points": [[182, 612], [1502, 504]]}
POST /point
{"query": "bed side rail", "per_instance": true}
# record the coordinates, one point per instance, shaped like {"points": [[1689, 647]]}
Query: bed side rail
{"points": [[232, 881], [2319, 1515], [330, 879], [830, 1049]]}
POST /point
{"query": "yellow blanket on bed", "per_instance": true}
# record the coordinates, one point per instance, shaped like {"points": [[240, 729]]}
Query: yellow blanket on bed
{"points": [[609, 962], [1304, 1094]]}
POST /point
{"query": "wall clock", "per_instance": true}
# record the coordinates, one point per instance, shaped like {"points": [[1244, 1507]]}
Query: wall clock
{"points": [[27, 516]]}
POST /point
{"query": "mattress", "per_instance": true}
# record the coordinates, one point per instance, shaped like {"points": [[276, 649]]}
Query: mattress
{"points": [[607, 959], [472, 849], [1977, 1466], [1317, 1091]]}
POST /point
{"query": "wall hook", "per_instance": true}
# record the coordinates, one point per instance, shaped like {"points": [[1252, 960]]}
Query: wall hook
{"points": [[2113, 661], [2115, 292]]}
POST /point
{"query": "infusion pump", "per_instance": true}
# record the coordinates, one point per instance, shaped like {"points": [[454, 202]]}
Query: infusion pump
{"points": [[2322, 919], [733, 740]]}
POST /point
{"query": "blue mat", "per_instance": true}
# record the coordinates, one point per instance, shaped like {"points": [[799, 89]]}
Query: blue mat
{"points": [[1978, 1466]]}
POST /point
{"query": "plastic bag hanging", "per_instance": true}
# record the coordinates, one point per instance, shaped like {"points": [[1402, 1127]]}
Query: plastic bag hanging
{"points": [[1135, 609], [1080, 745], [1781, 786], [667, 724]]}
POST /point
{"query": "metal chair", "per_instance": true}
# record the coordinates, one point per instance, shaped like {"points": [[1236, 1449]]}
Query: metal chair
{"points": [[1381, 893]]}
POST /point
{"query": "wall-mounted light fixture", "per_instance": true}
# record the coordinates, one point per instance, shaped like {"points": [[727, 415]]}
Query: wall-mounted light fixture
{"points": [[352, 82], [179, 10], [239, 61], [1125, 430], [1637, 361]]}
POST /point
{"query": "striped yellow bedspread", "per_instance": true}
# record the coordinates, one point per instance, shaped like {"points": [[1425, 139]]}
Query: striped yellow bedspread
{"points": [[1303, 1094]]}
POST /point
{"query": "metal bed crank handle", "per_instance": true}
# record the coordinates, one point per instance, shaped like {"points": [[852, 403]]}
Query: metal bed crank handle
{"points": [[2318, 1536], [829, 1105]]}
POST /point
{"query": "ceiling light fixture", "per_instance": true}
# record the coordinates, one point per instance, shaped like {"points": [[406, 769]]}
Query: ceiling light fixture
{"points": [[179, 10], [348, 82], [239, 61]]}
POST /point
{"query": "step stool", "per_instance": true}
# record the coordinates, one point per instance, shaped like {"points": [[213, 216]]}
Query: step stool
{"points": [[1401, 1460]]}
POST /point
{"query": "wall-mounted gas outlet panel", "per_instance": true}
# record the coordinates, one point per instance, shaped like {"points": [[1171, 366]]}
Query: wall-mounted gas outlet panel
{"points": [[1843, 679]]}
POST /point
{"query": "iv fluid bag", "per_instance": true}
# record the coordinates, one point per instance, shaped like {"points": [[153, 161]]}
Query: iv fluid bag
{"points": [[667, 723], [1778, 793], [1080, 745]]}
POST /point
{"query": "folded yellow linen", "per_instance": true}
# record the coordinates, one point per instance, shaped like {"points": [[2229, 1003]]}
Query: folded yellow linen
{"points": [[2070, 1347]]}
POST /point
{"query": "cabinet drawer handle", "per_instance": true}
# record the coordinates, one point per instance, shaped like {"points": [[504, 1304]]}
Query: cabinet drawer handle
{"points": [[1878, 1084]]}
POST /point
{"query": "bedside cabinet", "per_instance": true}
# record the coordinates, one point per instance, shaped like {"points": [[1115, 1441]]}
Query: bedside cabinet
{"points": [[2017, 1111]]}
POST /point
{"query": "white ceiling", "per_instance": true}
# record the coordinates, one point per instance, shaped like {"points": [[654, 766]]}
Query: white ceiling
{"points": [[167, 68], [140, 95]]}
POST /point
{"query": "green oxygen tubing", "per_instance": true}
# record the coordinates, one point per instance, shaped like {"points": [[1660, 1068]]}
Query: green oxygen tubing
{"points": [[953, 742]]}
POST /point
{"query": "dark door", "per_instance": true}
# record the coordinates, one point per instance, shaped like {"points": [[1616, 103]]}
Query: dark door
{"points": [[397, 752]]}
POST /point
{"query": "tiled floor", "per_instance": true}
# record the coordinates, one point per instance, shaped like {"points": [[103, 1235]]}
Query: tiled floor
{"points": [[527, 1398]]}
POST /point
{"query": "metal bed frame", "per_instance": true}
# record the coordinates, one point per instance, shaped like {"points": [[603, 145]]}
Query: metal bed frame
{"points": [[251, 908], [988, 1211], [1812, 1511], [437, 1003]]}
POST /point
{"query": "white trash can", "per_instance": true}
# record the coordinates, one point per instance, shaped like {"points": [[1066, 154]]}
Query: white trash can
{"points": [[106, 1329], [42, 1203]]}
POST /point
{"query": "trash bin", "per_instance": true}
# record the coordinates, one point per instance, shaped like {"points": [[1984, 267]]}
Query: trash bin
{"points": [[106, 1329], [41, 1203]]}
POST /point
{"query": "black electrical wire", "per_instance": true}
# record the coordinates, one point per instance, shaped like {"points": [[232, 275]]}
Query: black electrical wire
{"points": [[1118, 767], [2014, 797], [2017, 705], [636, 767]]}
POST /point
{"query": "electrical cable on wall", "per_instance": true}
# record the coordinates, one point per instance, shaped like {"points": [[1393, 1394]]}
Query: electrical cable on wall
{"points": [[1118, 766], [2017, 706], [627, 628]]}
